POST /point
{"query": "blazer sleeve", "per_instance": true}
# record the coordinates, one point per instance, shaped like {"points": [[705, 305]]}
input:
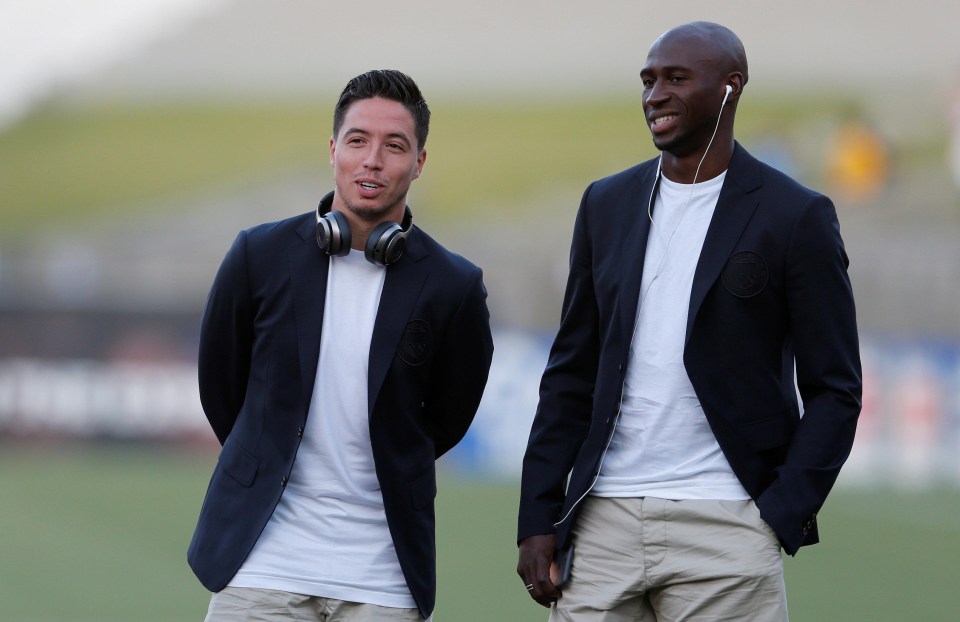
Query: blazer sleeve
{"points": [[462, 367], [566, 392], [226, 341], [826, 351]]}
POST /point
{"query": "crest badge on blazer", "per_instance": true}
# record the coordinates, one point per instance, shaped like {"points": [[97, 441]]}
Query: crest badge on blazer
{"points": [[745, 274], [416, 343]]}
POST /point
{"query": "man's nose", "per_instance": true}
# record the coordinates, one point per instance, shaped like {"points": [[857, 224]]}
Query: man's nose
{"points": [[373, 158], [656, 94]]}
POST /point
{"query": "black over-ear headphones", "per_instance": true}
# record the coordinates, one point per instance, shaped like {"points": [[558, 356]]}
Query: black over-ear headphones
{"points": [[384, 246]]}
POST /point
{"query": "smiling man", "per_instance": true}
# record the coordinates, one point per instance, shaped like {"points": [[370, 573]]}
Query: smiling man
{"points": [[342, 352], [668, 463]]}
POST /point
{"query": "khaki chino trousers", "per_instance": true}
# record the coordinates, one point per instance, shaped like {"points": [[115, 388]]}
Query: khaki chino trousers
{"points": [[246, 604], [648, 559]]}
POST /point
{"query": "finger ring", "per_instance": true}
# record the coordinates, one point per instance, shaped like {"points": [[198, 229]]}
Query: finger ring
{"points": [[529, 587]]}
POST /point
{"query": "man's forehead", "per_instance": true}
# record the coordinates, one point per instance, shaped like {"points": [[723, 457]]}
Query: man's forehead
{"points": [[379, 111], [679, 50]]}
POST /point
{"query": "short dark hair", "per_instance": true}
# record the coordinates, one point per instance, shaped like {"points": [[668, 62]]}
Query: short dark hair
{"points": [[388, 84]]}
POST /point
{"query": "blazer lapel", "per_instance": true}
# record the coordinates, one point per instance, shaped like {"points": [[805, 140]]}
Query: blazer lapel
{"points": [[401, 289], [734, 209], [633, 247], [309, 267]]}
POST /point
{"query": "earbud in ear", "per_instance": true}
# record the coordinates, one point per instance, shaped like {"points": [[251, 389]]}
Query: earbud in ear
{"points": [[726, 94]]}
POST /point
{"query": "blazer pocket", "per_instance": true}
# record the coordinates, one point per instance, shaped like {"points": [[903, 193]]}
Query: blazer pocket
{"points": [[423, 490], [769, 433], [238, 464]]}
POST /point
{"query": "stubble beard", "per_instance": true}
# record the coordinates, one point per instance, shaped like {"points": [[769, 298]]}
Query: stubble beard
{"points": [[687, 143], [369, 213]]}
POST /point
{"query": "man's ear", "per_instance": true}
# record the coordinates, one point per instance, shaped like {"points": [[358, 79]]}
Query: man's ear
{"points": [[421, 159]]}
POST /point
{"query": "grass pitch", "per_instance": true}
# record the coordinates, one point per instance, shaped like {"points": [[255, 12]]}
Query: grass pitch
{"points": [[100, 535]]}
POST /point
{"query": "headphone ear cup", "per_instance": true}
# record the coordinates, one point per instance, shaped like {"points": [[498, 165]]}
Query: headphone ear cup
{"points": [[385, 244], [333, 234]]}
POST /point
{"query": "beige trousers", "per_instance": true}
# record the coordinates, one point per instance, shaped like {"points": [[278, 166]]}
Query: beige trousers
{"points": [[648, 559], [244, 604]]}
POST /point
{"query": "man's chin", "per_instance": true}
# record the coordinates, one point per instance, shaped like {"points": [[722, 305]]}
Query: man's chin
{"points": [[664, 144], [369, 211], [659, 144]]}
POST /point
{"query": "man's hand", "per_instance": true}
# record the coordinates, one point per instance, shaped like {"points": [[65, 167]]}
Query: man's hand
{"points": [[537, 568]]}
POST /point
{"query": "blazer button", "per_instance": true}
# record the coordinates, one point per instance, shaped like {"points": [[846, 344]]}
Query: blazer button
{"points": [[283, 482], [300, 432]]}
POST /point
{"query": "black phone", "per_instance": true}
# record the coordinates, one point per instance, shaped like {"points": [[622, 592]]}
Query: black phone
{"points": [[565, 564]]}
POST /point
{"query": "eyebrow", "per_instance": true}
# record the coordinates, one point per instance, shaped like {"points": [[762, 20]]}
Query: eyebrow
{"points": [[666, 68], [395, 135]]}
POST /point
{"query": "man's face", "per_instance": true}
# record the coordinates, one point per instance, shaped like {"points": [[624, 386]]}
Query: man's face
{"points": [[375, 158], [682, 93]]}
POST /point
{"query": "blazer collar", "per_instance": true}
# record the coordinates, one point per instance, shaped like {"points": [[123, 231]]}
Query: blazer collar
{"points": [[401, 290], [309, 268], [735, 207], [635, 201]]}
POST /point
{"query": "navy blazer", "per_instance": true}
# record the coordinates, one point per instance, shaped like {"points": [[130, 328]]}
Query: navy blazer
{"points": [[771, 302], [259, 345]]}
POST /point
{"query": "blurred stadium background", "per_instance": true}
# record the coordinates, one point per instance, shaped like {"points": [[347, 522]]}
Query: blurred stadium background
{"points": [[138, 137]]}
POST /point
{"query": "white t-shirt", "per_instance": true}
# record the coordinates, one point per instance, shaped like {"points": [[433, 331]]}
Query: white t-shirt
{"points": [[663, 446], [328, 536]]}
